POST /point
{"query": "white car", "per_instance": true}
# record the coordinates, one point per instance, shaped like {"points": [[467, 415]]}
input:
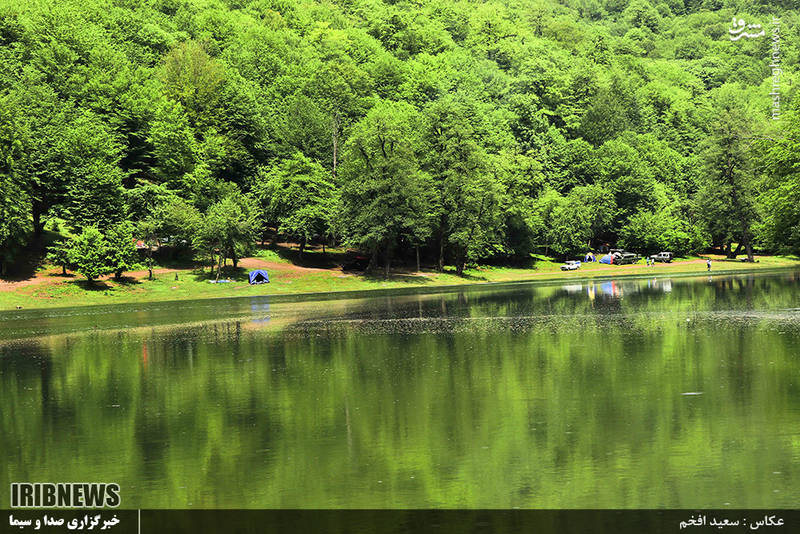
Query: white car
{"points": [[571, 265]]}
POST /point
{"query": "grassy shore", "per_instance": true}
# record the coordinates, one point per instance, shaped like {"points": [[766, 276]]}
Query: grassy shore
{"points": [[47, 288]]}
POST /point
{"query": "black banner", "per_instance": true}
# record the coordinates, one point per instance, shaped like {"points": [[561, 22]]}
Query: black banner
{"points": [[403, 521]]}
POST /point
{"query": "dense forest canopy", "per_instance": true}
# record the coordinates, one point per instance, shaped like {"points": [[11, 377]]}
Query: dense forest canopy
{"points": [[461, 130]]}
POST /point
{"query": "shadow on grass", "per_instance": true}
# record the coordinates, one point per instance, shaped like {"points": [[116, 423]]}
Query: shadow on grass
{"points": [[400, 276], [93, 285], [238, 274], [30, 258], [60, 274], [127, 281], [311, 257], [465, 276], [378, 276], [333, 259]]}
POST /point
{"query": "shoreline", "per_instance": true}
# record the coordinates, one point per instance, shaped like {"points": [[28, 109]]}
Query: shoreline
{"points": [[326, 284], [18, 323]]}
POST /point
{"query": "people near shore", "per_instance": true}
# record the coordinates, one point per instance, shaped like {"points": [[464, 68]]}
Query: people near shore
{"points": [[708, 264]]}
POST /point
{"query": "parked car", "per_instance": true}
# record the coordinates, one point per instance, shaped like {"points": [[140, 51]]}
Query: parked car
{"points": [[571, 265], [357, 262], [665, 257], [622, 258]]}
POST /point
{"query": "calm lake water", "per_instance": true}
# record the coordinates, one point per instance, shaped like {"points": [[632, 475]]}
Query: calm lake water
{"points": [[634, 393]]}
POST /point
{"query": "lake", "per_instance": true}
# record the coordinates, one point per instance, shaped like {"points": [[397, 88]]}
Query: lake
{"points": [[633, 393]]}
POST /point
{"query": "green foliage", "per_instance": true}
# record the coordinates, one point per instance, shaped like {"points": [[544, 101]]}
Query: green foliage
{"points": [[570, 224], [120, 248], [727, 191], [14, 201], [227, 229], [461, 130], [58, 254], [385, 195], [779, 199], [94, 195], [297, 197], [14, 223], [652, 232], [87, 253]]}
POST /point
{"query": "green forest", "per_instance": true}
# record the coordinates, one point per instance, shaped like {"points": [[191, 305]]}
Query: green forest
{"points": [[456, 132]]}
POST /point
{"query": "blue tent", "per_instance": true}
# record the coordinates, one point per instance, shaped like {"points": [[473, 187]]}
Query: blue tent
{"points": [[259, 276], [606, 259]]}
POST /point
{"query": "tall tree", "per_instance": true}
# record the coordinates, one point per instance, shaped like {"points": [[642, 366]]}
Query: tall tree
{"points": [[385, 195], [14, 202], [467, 197], [297, 197], [779, 200], [727, 193], [227, 229]]}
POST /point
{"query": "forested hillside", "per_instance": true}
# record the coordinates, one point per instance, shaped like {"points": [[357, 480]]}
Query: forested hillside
{"points": [[462, 131]]}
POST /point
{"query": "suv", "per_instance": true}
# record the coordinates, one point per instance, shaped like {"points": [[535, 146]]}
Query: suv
{"points": [[622, 258], [571, 265], [665, 257]]}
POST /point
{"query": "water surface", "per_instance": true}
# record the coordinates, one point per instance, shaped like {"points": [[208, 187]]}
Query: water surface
{"points": [[675, 392]]}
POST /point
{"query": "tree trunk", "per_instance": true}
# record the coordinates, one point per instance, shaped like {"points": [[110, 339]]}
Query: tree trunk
{"points": [[36, 213], [373, 260], [219, 265], [441, 253], [336, 123], [302, 245], [417, 249], [748, 247], [118, 274], [64, 270], [388, 262], [234, 258], [460, 267]]}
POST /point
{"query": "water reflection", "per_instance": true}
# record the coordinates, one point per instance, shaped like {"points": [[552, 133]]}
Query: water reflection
{"points": [[635, 393]]}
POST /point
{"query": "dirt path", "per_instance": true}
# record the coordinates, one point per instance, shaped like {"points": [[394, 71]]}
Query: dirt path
{"points": [[258, 263]]}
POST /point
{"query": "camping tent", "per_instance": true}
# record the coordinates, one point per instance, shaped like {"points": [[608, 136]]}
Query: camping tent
{"points": [[607, 259], [259, 276]]}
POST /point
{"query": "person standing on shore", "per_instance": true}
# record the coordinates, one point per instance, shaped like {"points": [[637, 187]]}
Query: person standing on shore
{"points": [[708, 264]]}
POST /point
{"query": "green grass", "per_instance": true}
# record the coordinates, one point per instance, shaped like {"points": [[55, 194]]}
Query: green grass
{"points": [[270, 255], [193, 284]]}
